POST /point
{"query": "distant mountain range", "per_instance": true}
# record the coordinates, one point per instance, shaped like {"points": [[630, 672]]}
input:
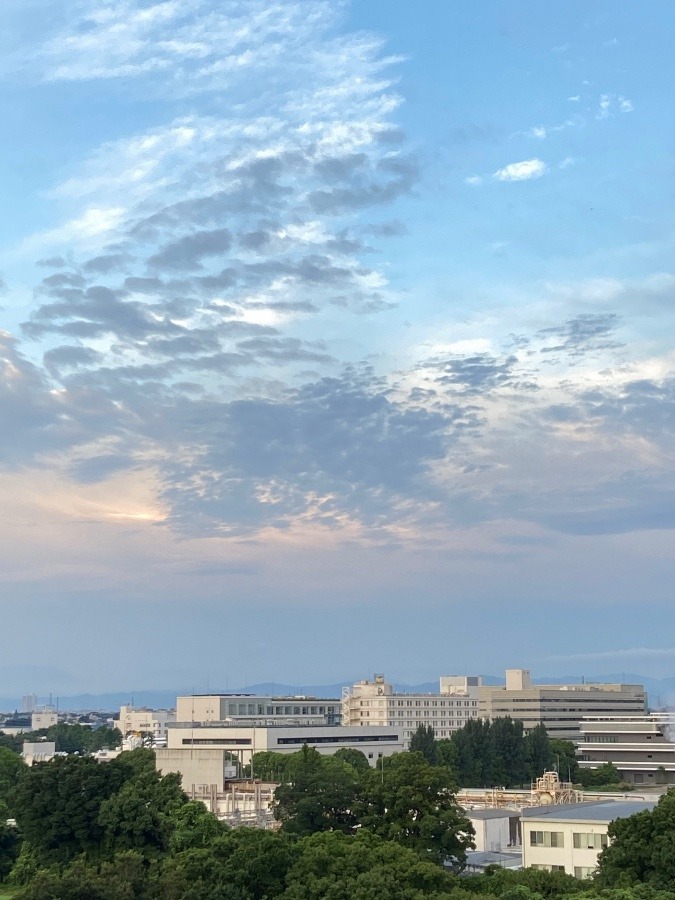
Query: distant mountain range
{"points": [[661, 692]]}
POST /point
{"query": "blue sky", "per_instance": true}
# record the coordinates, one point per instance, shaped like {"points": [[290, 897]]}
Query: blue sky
{"points": [[336, 338]]}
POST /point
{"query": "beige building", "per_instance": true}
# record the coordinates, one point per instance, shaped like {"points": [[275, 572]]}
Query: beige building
{"points": [[641, 747], [241, 742], [143, 721], [256, 709], [375, 703], [44, 718], [559, 707], [569, 837]]}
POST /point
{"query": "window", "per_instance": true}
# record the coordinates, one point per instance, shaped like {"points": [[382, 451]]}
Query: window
{"points": [[583, 840], [546, 839], [583, 871]]}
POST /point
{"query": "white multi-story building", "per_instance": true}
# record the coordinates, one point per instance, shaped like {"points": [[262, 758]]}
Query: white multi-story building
{"points": [[144, 722], [241, 741], [375, 703]]}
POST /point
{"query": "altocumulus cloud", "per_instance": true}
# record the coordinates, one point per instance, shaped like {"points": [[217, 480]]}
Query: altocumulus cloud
{"points": [[196, 328]]}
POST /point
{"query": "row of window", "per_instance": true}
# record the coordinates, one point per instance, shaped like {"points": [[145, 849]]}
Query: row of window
{"points": [[589, 841], [547, 839], [581, 840], [259, 709], [429, 703], [579, 871]]}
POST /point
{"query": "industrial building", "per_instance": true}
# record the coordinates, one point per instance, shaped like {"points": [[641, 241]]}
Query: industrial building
{"points": [[375, 703], [641, 747], [559, 707]]}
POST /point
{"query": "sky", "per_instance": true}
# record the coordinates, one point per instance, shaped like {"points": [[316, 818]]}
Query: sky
{"points": [[335, 338]]}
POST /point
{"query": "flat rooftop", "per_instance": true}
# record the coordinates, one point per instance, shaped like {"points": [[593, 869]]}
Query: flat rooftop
{"points": [[601, 811]]}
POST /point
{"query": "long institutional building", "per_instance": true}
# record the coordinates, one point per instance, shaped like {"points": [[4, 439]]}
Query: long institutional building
{"points": [[641, 747], [559, 707], [375, 703]]}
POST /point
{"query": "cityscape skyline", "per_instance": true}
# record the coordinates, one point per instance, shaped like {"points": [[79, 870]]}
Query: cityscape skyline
{"points": [[334, 337]]}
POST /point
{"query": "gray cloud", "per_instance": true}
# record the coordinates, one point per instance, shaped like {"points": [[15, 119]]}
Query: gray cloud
{"points": [[190, 251], [582, 334]]}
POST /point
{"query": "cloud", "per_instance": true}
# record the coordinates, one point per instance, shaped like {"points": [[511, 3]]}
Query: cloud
{"points": [[521, 171], [610, 104]]}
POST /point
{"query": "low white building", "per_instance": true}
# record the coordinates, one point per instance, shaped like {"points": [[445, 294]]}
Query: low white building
{"points": [[569, 837], [39, 751], [241, 742], [375, 703]]}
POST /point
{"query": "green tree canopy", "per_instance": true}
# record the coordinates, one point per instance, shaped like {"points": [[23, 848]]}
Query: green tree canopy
{"points": [[642, 849], [12, 768], [57, 805], [413, 803], [424, 741], [318, 796], [336, 867]]}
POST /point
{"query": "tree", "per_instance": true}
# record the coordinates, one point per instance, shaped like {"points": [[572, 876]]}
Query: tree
{"points": [[10, 845], [475, 748], [564, 760], [413, 803], [12, 767], [140, 816], [270, 766], [508, 767], [606, 774], [194, 826], [355, 758], [641, 849], [423, 741], [57, 805], [318, 795], [538, 752], [336, 867], [243, 864]]}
